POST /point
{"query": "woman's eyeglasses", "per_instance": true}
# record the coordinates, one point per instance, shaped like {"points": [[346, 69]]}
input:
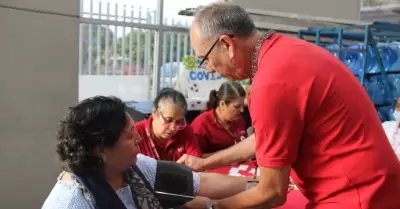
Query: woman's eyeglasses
{"points": [[180, 124]]}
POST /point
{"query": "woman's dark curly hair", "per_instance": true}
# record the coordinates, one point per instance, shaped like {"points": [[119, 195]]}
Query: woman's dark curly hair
{"points": [[94, 122]]}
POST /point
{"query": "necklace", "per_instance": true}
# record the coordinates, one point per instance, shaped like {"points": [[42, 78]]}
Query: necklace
{"points": [[256, 51]]}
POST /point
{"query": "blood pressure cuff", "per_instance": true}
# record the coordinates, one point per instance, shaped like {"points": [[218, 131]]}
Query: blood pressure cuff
{"points": [[173, 178]]}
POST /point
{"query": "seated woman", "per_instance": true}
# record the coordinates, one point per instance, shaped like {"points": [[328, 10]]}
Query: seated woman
{"points": [[98, 149], [165, 134], [222, 124]]}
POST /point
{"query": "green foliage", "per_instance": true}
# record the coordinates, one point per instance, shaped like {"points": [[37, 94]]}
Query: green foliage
{"points": [[132, 38], [190, 62], [244, 82]]}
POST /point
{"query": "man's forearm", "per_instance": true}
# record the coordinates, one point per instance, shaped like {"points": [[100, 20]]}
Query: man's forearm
{"points": [[239, 152], [216, 186], [206, 155], [251, 198]]}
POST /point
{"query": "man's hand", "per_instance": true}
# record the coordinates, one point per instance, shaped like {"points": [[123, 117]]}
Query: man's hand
{"points": [[192, 162], [242, 151]]}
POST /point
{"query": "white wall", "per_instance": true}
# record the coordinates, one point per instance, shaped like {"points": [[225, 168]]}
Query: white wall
{"points": [[38, 81], [127, 88]]}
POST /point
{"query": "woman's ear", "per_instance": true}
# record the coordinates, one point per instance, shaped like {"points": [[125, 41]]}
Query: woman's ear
{"points": [[153, 112], [222, 104], [100, 152]]}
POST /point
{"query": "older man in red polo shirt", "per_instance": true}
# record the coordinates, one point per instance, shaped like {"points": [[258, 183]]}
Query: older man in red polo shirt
{"points": [[310, 114]]}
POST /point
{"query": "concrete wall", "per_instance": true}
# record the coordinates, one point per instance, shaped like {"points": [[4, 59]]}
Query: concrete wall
{"points": [[343, 9], [38, 81]]}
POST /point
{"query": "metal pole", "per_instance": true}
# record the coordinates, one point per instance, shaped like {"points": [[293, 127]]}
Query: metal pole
{"points": [[158, 41]]}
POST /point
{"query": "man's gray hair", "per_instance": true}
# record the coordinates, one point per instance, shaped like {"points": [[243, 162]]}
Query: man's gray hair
{"points": [[222, 18]]}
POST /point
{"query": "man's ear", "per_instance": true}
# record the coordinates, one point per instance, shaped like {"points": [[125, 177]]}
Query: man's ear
{"points": [[229, 44]]}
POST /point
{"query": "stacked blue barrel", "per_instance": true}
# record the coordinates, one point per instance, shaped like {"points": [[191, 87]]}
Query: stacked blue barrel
{"points": [[374, 85]]}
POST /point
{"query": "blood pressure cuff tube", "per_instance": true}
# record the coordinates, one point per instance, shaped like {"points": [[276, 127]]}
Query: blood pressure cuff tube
{"points": [[173, 178]]}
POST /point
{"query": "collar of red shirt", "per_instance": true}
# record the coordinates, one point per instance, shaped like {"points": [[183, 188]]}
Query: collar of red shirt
{"points": [[152, 137], [214, 121]]}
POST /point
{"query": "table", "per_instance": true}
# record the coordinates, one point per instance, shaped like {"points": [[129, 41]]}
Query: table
{"points": [[294, 200]]}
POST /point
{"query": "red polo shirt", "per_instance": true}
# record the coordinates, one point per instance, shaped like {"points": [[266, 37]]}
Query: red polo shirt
{"points": [[310, 111], [212, 137], [181, 143]]}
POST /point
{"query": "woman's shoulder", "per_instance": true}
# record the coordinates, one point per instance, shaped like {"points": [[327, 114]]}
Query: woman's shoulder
{"points": [[148, 167], [141, 124], [66, 195], [203, 118]]}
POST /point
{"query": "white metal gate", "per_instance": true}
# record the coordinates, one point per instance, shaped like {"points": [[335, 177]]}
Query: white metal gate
{"points": [[128, 51]]}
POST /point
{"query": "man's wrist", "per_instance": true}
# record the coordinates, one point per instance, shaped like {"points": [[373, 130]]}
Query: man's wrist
{"points": [[210, 204], [203, 164], [210, 162]]}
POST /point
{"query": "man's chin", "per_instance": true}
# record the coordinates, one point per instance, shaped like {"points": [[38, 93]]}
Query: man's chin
{"points": [[235, 77]]}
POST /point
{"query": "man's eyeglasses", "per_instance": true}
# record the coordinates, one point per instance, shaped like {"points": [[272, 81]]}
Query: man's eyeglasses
{"points": [[181, 124], [201, 62]]}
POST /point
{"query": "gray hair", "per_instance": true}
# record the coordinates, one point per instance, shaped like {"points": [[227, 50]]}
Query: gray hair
{"points": [[222, 18]]}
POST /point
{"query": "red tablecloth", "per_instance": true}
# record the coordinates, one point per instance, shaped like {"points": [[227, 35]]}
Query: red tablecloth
{"points": [[295, 200]]}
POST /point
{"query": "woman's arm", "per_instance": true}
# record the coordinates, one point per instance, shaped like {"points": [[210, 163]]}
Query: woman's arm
{"points": [[216, 186]]}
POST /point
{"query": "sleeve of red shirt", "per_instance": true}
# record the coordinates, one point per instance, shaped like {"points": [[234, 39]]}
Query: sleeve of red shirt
{"points": [[200, 134], [191, 145], [277, 119]]}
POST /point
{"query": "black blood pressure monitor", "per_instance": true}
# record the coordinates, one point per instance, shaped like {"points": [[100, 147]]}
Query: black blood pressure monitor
{"points": [[174, 184]]}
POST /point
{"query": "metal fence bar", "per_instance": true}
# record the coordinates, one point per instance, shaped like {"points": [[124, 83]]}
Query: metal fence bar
{"points": [[147, 47], [98, 48], [115, 43], [101, 15], [164, 52], [171, 55], [107, 47], [138, 45], [158, 41], [178, 53], [147, 39], [90, 42], [135, 25], [131, 43], [123, 43], [81, 40]]}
